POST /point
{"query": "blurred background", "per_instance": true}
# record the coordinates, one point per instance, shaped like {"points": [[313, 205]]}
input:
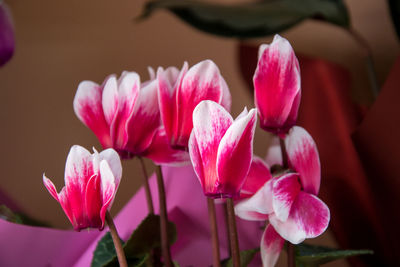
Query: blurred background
{"points": [[60, 43]]}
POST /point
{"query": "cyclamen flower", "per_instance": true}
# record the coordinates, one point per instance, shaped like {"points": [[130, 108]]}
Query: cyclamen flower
{"points": [[221, 149], [181, 91], [7, 39], [124, 115], [277, 86], [289, 200], [91, 182]]}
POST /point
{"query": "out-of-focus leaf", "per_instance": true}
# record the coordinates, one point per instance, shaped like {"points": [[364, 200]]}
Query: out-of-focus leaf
{"points": [[246, 256], [310, 256], [394, 6], [139, 246], [251, 20], [16, 217]]}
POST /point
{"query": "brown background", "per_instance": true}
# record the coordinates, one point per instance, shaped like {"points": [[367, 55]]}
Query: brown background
{"points": [[60, 43]]}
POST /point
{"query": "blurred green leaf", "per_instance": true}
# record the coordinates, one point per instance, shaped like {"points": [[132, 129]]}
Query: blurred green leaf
{"points": [[310, 256], [394, 6], [139, 246], [251, 20], [246, 256], [20, 218]]}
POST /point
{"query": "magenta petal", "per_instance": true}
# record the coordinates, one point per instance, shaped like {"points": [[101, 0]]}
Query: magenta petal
{"points": [[50, 187], [235, 154], [144, 121], [128, 89], [162, 153], [304, 159], [258, 175], [260, 203], [201, 82], [285, 190], [93, 201], [309, 217], [276, 83], [108, 189], [210, 122], [271, 246], [168, 81], [89, 109]]}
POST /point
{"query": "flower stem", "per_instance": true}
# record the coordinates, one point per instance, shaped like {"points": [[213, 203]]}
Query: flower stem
{"points": [[290, 255], [117, 241], [147, 187], [214, 232], [284, 153], [233, 238], [163, 219]]}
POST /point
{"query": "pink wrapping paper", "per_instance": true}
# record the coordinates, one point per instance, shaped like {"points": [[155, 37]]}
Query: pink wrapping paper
{"points": [[187, 208]]}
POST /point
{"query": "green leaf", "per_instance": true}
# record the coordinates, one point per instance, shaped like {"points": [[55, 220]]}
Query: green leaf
{"points": [[139, 246], [246, 256], [251, 20], [309, 255], [394, 6], [17, 217]]}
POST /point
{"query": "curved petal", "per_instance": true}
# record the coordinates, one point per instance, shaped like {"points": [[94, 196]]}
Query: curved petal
{"points": [[309, 217], [201, 82], [304, 159], [108, 189], [276, 83], [235, 154], [78, 168], [226, 98], [271, 246], [197, 161], [285, 190], [50, 187], [144, 121], [161, 153], [210, 123], [74, 214], [258, 175], [114, 161], [110, 98], [259, 204], [168, 80], [128, 89], [93, 201], [89, 109]]}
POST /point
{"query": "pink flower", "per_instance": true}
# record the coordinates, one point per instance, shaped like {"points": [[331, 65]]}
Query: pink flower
{"points": [[289, 200], [124, 115], [221, 149], [91, 181], [7, 39], [181, 91], [277, 86]]}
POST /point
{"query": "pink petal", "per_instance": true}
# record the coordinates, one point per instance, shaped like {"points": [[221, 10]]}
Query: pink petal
{"points": [[210, 122], [108, 189], [93, 201], [285, 190], [304, 159], [78, 168], [89, 109], [235, 154], [162, 153], [110, 99], [201, 82], [271, 246], [258, 175], [50, 187], [168, 81], [74, 215], [226, 99], [144, 121], [277, 83], [258, 206], [309, 217], [129, 85], [274, 153], [196, 159], [113, 160]]}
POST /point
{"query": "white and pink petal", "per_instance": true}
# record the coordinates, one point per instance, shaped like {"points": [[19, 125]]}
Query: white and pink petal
{"points": [[271, 246], [285, 191]]}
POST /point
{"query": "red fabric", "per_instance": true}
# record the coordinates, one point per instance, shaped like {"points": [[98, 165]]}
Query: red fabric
{"points": [[328, 114]]}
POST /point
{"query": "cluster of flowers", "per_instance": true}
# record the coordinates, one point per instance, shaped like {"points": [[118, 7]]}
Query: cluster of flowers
{"points": [[180, 116]]}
